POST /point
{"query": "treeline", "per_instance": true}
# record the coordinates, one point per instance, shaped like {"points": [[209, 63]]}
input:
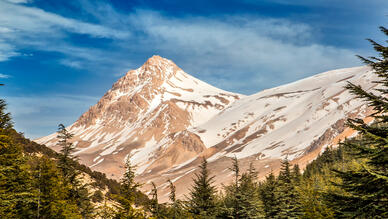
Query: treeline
{"points": [[37, 182], [350, 181]]}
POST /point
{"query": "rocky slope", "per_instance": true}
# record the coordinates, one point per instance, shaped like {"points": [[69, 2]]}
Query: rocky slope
{"points": [[139, 112], [165, 120]]}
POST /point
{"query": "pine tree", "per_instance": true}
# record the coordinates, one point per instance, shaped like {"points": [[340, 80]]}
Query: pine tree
{"points": [[154, 205], [242, 198], [17, 195], [367, 186], [288, 196], [269, 196], [236, 198], [78, 191], [106, 211], [66, 160], [250, 203], [128, 189], [296, 174], [52, 193], [312, 190], [175, 207], [202, 199]]}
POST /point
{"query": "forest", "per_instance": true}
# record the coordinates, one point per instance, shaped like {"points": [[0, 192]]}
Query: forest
{"points": [[347, 181]]}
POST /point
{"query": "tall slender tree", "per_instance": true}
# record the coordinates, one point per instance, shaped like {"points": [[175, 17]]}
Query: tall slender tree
{"points": [[78, 191], [66, 160], [128, 189], [288, 196], [202, 199], [269, 196], [236, 199], [154, 205], [367, 186]]}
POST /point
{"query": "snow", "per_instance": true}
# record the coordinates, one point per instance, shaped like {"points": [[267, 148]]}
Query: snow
{"points": [[176, 167], [97, 163], [308, 107], [140, 157], [310, 110]]}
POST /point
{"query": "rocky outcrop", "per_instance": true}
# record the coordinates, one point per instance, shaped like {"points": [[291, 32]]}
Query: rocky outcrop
{"points": [[165, 121]]}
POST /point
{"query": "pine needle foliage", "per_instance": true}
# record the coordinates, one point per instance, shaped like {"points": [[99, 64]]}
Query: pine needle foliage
{"points": [[366, 185], [202, 198]]}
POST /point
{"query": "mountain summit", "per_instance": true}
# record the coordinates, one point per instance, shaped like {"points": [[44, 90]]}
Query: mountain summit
{"points": [[139, 112], [165, 121]]}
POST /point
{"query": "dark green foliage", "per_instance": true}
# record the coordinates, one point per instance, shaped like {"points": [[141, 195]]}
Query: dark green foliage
{"points": [[66, 159], [52, 193], [242, 198], [202, 198], [154, 203], [31, 148], [288, 197], [97, 196], [128, 193], [269, 196], [78, 193], [5, 117], [17, 194], [366, 185]]}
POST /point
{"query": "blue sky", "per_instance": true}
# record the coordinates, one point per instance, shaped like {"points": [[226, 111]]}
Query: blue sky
{"points": [[57, 58]]}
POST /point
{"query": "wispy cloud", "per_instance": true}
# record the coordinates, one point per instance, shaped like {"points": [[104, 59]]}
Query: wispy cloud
{"points": [[244, 50], [4, 75], [242, 53], [19, 1], [39, 115], [23, 26]]}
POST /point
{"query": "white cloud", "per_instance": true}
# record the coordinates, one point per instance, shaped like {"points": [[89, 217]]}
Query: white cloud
{"points": [[248, 51], [4, 76], [39, 115], [23, 26], [256, 49], [19, 1]]}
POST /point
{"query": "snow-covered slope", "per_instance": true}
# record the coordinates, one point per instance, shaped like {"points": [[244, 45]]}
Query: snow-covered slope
{"points": [[165, 121], [285, 120], [138, 112]]}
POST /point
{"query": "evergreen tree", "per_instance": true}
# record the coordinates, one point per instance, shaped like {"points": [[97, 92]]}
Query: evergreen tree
{"points": [[66, 159], [202, 199], [176, 211], [288, 196], [312, 190], [17, 194], [242, 198], [154, 205], [269, 197], [106, 211], [78, 191], [250, 203], [367, 185], [296, 174], [236, 198], [52, 193], [127, 197]]}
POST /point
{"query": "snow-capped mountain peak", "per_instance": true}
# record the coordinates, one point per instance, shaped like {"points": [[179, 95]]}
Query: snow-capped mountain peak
{"points": [[164, 120]]}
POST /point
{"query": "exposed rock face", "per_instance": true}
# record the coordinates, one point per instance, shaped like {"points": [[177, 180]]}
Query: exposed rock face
{"points": [[165, 120], [142, 111]]}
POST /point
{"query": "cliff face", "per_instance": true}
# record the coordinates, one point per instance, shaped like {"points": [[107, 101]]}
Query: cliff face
{"points": [[165, 120]]}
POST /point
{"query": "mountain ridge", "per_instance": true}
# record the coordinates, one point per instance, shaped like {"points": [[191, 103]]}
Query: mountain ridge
{"points": [[165, 120]]}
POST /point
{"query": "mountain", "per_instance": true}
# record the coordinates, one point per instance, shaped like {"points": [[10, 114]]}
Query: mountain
{"points": [[165, 121], [142, 109]]}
